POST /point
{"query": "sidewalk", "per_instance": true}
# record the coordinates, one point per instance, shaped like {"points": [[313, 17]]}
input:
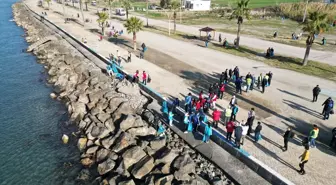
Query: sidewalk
{"points": [[173, 85]]}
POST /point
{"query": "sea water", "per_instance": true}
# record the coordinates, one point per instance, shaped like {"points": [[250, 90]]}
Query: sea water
{"points": [[31, 123]]}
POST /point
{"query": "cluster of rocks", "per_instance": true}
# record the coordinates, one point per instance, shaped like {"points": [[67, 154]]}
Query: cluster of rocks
{"points": [[117, 146]]}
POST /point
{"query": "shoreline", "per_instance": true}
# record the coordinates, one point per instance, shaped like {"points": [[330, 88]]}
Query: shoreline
{"points": [[114, 141]]}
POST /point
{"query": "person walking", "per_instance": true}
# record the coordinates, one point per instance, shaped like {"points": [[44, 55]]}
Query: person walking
{"points": [[316, 92], [313, 135], [244, 133], [216, 117], [170, 118], [304, 159], [195, 122], [187, 105], [226, 76], [228, 113], [186, 122], [221, 78], [229, 130], [328, 107], [190, 123], [230, 73], [263, 84], [234, 112], [144, 78], [260, 79], [129, 57], [238, 131], [250, 119], [221, 90], [257, 131], [207, 133], [288, 135], [270, 76]]}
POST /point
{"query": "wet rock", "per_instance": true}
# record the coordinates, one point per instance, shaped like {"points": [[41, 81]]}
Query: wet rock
{"points": [[157, 143], [142, 131], [102, 154], [84, 175], [87, 162], [53, 95], [82, 143], [132, 156], [106, 166], [143, 167], [166, 180], [92, 150]]}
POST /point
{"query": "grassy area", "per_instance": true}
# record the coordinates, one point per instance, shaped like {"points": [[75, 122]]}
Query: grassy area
{"points": [[313, 68], [253, 3]]}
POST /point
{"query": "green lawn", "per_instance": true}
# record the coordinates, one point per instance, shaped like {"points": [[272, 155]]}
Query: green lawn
{"points": [[253, 3]]}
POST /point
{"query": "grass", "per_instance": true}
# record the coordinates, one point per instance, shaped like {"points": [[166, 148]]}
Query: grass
{"points": [[253, 3], [313, 68]]}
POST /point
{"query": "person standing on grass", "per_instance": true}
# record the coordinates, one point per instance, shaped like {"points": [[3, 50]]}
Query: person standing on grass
{"points": [[234, 109], [304, 159], [186, 122], [207, 133], [228, 113], [221, 90], [144, 78], [288, 135], [263, 84], [313, 135], [316, 92], [257, 131], [229, 130], [238, 131], [170, 118], [216, 117], [250, 119], [187, 105], [270, 76]]}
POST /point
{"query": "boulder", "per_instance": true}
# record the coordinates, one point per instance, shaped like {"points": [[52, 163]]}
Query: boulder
{"points": [[165, 169], [87, 161], [158, 143], [83, 98], [132, 156], [92, 150], [106, 166], [102, 154], [107, 142], [166, 157], [166, 180], [53, 95], [143, 167], [142, 131], [114, 104], [181, 176], [148, 117], [121, 170], [124, 140], [131, 121], [82, 124], [78, 110], [109, 124], [198, 180], [99, 132], [84, 175], [127, 182], [123, 109], [81, 144], [184, 164], [103, 117]]}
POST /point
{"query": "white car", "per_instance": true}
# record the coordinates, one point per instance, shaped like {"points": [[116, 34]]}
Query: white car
{"points": [[120, 11], [93, 3]]}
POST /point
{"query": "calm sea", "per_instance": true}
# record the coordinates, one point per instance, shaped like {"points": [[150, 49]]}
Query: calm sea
{"points": [[31, 123]]}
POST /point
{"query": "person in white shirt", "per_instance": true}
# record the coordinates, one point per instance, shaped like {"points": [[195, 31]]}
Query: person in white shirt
{"points": [[244, 133], [250, 119]]}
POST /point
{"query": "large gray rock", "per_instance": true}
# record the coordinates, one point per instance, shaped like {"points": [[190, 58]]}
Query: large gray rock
{"points": [[158, 143], [103, 117], [92, 150], [142, 131], [106, 166], [148, 117], [99, 132], [78, 110], [123, 109], [198, 180], [166, 157], [121, 170], [184, 164], [102, 154], [166, 180], [83, 98], [131, 121], [124, 140], [114, 104], [132, 156], [127, 182], [109, 124], [108, 142], [181, 176], [143, 167]]}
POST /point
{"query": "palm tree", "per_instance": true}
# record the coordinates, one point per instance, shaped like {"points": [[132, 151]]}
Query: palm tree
{"points": [[110, 2], [133, 25], [86, 5], [102, 17], [127, 4], [174, 6], [48, 2], [240, 12], [81, 9], [317, 23]]}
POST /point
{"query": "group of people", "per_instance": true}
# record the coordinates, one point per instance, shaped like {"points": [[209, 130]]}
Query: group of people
{"points": [[328, 104], [144, 77], [225, 42], [269, 52], [296, 36]]}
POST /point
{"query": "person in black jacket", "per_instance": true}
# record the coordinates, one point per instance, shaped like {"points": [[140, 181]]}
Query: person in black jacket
{"points": [[270, 75], [288, 134], [257, 132], [263, 84], [316, 92]]}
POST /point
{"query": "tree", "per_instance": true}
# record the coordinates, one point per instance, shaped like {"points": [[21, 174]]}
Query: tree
{"points": [[317, 23], [127, 4], [110, 3], [133, 25], [240, 12], [48, 2], [81, 9], [102, 17], [86, 5], [174, 6]]}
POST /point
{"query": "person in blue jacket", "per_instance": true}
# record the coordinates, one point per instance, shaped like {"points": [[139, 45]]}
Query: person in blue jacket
{"points": [[190, 123], [165, 107], [207, 133]]}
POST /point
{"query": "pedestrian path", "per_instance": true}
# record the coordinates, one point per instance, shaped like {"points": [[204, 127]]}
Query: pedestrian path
{"points": [[170, 84]]}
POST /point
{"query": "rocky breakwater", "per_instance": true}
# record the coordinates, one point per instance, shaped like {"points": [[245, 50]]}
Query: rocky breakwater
{"points": [[117, 146]]}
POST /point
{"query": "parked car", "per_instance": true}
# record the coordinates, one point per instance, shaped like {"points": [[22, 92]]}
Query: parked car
{"points": [[120, 11], [94, 3]]}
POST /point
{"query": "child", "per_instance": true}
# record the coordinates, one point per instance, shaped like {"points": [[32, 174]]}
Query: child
{"points": [[186, 122], [207, 133], [170, 118]]}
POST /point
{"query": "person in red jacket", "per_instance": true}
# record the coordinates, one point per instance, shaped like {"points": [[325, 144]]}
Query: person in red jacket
{"points": [[198, 105], [221, 90], [216, 116], [200, 96], [229, 129], [144, 78]]}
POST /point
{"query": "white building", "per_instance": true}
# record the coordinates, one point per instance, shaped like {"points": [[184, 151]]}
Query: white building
{"points": [[196, 5]]}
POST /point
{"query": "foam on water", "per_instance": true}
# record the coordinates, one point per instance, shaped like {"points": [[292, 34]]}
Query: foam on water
{"points": [[31, 124]]}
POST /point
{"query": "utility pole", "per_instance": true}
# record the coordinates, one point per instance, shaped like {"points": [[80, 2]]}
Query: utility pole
{"points": [[147, 12]]}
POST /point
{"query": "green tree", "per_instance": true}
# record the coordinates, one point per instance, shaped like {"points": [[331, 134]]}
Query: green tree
{"points": [[133, 25], [240, 12], [175, 5], [48, 2], [110, 3], [81, 9], [127, 4], [317, 23], [102, 17]]}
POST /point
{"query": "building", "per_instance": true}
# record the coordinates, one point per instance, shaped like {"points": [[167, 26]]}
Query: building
{"points": [[196, 5]]}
